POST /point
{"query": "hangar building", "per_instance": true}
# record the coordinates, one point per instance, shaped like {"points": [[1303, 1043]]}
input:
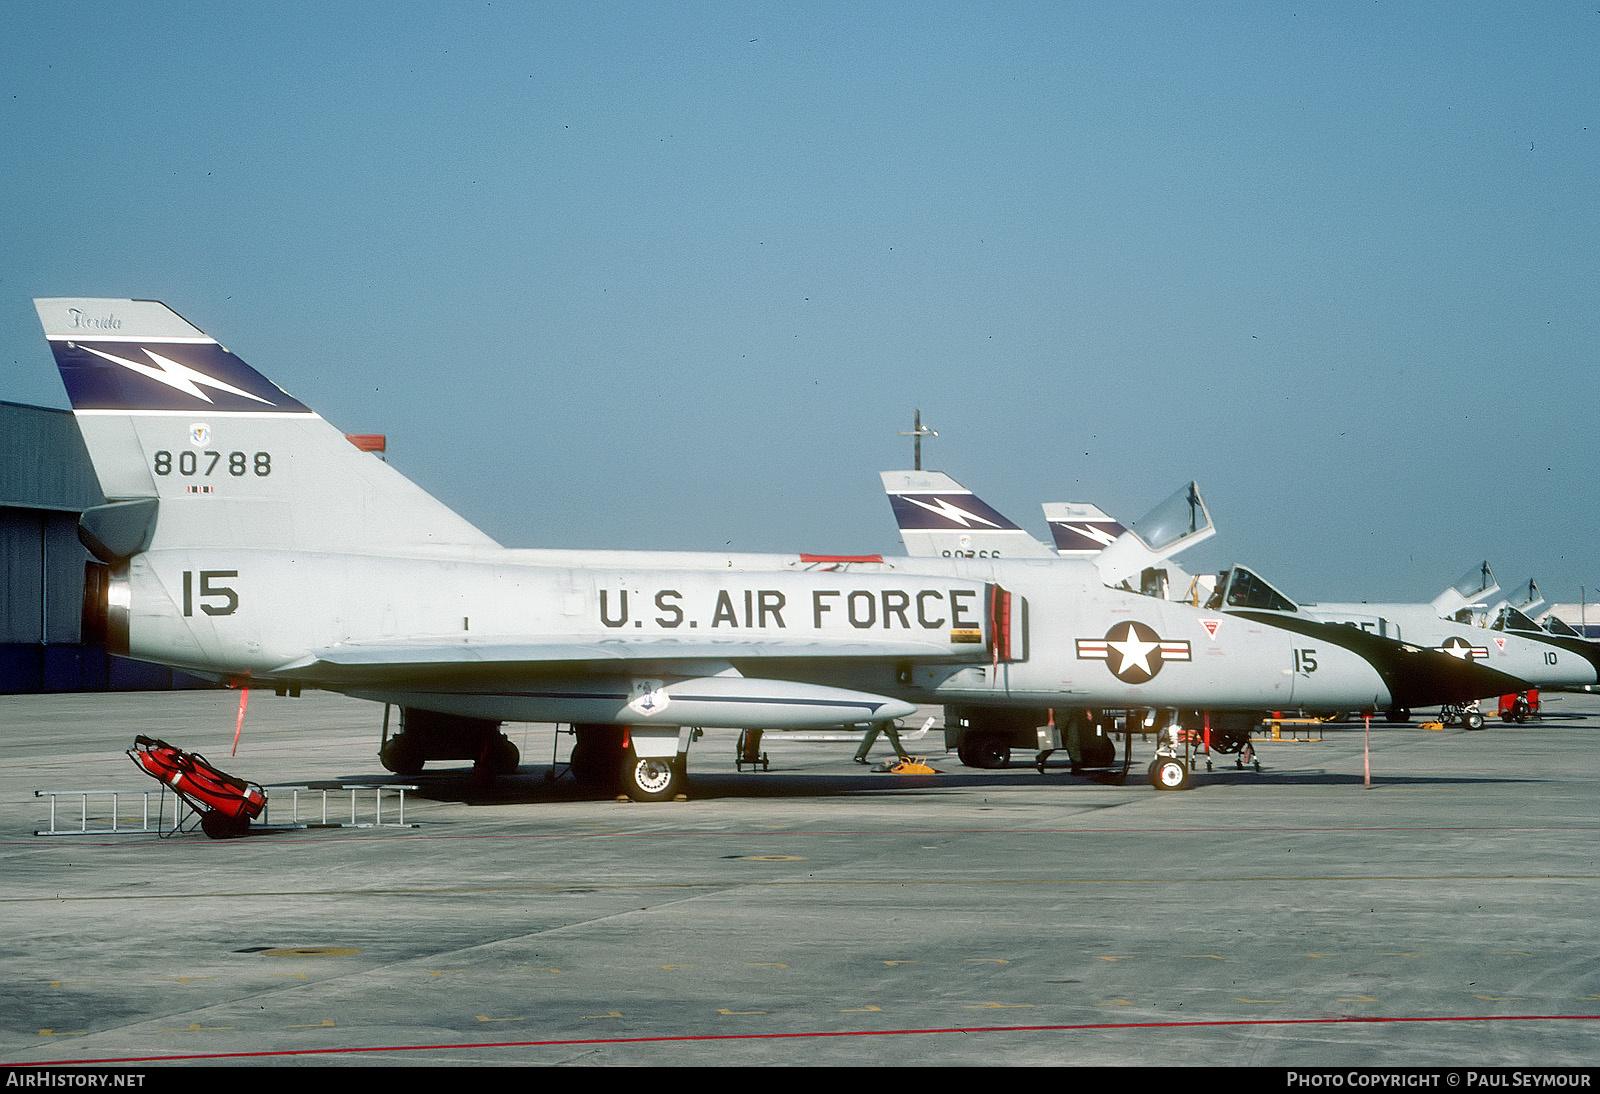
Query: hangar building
{"points": [[46, 480]]}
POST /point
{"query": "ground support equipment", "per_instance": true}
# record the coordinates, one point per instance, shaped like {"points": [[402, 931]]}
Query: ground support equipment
{"points": [[101, 813], [226, 805], [129, 813], [1299, 729], [1466, 715], [749, 751]]}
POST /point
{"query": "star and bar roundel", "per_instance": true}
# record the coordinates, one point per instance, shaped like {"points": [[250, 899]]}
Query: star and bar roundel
{"points": [[1456, 646], [1132, 651]]}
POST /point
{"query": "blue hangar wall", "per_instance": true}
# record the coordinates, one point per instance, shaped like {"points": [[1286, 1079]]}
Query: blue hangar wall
{"points": [[46, 480]]}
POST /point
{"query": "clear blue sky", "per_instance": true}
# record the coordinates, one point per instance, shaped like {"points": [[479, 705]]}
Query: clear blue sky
{"points": [[673, 275]]}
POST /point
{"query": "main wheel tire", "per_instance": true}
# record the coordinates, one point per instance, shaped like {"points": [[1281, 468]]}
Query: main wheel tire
{"points": [[401, 756], [651, 778], [1472, 720], [1398, 715], [1169, 774], [983, 750]]}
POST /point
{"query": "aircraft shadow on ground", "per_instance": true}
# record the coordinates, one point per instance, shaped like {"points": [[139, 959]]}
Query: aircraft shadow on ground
{"points": [[532, 784]]}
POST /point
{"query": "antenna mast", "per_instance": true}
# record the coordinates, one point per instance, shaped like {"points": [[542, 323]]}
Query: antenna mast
{"points": [[918, 431]]}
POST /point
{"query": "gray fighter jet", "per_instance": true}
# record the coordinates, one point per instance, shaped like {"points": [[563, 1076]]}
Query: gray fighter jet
{"points": [[247, 538]]}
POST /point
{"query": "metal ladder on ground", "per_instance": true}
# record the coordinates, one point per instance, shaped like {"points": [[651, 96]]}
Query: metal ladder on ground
{"points": [[308, 807]]}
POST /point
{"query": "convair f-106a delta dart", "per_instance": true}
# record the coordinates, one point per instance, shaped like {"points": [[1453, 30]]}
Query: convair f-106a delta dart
{"points": [[246, 538]]}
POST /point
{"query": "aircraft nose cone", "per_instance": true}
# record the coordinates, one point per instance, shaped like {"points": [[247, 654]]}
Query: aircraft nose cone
{"points": [[1413, 676], [1419, 677]]}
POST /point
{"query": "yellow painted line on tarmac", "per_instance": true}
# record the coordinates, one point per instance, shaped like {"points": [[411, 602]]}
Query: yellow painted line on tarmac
{"points": [[999, 1006], [861, 1010], [725, 1010]]}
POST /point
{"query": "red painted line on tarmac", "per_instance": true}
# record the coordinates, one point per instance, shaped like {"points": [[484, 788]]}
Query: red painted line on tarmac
{"points": [[262, 843], [707, 1037]]}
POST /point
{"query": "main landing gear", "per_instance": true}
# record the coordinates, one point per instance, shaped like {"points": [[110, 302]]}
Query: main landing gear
{"points": [[647, 766], [427, 735], [652, 778]]}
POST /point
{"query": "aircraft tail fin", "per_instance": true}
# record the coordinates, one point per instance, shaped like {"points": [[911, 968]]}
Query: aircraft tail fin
{"points": [[938, 517], [1080, 530], [229, 458]]}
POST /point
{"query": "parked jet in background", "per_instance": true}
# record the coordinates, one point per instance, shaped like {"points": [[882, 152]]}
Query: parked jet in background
{"points": [[1145, 549], [1536, 658], [1079, 529], [1465, 602], [1526, 652], [1471, 604], [938, 518], [248, 539]]}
